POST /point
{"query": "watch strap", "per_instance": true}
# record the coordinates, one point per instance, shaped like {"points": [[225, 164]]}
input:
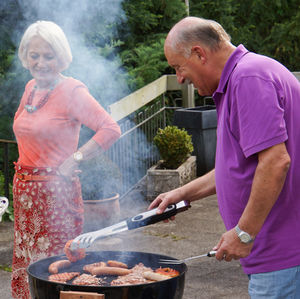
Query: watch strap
{"points": [[238, 230]]}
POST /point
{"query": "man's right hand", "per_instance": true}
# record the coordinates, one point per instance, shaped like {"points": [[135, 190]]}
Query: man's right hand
{"points": [[198, 188], [163, 200]]}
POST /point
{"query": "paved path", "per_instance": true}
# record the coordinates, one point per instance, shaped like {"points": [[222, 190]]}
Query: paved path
{"points": [[6, 246], [193, 232]]}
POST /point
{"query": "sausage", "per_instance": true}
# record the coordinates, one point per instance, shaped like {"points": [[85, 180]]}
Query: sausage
{"points": [[167, 271], [113, 263], [110, 271], [89, 267], [63, 277], [74, 255], [155, 276], [56, 266]]}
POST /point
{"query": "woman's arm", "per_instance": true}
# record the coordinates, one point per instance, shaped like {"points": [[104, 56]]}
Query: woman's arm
{"points": [[85, 109]]}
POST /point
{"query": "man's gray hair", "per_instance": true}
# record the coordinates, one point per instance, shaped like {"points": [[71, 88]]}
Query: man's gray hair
{"points": [[52, 34], [195, 31]]}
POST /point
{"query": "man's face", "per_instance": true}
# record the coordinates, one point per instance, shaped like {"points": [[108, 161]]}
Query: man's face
{"points": [[191, 70]]}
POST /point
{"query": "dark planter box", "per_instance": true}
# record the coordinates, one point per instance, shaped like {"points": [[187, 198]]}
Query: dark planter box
{"points": [[201, 123]]}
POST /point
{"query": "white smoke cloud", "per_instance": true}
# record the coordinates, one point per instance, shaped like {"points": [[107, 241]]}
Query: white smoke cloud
{"points": [[83, 21], [86, 21]]}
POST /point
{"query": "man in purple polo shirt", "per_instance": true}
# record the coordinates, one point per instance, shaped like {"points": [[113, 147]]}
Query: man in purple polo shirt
{"points": [[257, 170]]}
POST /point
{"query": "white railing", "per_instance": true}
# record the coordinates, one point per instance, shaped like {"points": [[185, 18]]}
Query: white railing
{"points": [[148, 93], [140, 114]]}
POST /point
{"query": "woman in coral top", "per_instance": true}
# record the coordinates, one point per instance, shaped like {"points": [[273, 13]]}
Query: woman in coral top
{"points": [[47, 194]]}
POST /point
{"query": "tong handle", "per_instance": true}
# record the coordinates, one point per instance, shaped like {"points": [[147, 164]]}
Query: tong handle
{"points": [[151, 217], [209, 254]]}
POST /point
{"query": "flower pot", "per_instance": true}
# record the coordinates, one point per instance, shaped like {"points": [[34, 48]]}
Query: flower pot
{"points": [[100, 213], [163, 180]]}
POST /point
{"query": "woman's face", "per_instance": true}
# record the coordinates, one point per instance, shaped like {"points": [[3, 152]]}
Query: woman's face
{"points": [[42, 62]]}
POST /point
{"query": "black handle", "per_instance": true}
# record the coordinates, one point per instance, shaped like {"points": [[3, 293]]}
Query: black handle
{"points": [[150, 217]]}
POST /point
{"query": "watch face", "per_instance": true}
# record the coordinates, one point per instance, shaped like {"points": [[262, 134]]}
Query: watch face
{"points": [[245, 238], [78, 156]]}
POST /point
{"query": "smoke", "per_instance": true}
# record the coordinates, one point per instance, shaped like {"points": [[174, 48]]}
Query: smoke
{"points": [[91, 29]]}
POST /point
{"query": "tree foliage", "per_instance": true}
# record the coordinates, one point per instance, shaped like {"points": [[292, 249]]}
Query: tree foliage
{"points": [[267, 27], [143, 33], [146, 18], [129, 43]]}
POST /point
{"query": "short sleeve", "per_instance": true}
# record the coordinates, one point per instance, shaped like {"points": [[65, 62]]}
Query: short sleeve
{"points": [[258, 115]]}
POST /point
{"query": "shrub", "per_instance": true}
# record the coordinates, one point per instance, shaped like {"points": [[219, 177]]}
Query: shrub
{"points": [[174, 145]]}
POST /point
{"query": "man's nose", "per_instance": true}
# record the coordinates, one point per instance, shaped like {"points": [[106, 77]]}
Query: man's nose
{"points": [[180, 78]]}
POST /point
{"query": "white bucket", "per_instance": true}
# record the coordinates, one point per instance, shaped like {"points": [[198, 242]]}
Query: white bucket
{"points": [[3, 206]]}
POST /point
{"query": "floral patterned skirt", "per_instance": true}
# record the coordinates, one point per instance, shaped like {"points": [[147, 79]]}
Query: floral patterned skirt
{"points": [[47, 215]]}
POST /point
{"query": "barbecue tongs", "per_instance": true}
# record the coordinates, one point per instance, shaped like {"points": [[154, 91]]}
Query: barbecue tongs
{"points": [[142, 219]]}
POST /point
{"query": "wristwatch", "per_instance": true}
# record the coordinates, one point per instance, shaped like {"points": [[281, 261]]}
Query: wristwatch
{"points": [[78, 156], [243, 236]]}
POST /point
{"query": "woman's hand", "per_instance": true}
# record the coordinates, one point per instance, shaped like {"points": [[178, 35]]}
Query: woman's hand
{"points": [[89, 150], [69, 167]]}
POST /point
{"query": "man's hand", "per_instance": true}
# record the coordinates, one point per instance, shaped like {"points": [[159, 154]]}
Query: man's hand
{"points": [[163, 200], [194, 190], [230, 247]]}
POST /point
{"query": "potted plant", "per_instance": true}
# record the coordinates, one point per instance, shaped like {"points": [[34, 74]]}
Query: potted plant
{"points": [[177, 166], [101, 181]]}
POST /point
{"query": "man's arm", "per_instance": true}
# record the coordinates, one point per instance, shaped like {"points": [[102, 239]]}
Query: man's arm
{"points": [[270, 174], [269, 178]]}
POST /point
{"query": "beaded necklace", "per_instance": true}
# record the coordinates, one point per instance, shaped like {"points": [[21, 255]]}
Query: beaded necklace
{"points": [[31, 108]]}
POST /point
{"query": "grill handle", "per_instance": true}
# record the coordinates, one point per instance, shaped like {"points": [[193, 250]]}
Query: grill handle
{"points": [[80, 295]]}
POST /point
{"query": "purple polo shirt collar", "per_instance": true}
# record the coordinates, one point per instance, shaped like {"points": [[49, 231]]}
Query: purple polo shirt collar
{"points": [[234, 58]]}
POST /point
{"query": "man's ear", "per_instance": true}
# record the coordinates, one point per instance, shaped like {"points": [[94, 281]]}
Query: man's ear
{"points": [[200, 53]]}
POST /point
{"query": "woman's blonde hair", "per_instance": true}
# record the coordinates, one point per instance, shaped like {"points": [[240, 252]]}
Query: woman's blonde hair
{"points": [[52, 34]]}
